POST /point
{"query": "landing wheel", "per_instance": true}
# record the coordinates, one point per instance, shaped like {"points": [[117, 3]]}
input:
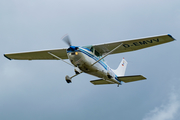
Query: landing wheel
{"points": [[68, 79]]}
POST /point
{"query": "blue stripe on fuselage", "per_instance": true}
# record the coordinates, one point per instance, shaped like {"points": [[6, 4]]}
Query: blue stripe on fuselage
{"points": [[94, 57], [100, 62]]}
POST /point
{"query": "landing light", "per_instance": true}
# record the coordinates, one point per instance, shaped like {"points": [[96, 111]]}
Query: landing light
{"points": [[76, 53]]}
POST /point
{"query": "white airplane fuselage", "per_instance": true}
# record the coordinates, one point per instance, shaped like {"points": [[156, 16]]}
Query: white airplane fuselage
{"points": [[84, 58]]}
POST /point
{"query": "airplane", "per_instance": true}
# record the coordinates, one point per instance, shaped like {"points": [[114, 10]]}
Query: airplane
{"points": [[90, 59]]}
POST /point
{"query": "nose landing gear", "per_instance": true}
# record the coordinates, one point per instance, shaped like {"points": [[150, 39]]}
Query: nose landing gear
{"points": [[68, 79]]}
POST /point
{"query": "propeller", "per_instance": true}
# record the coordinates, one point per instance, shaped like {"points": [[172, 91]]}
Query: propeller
{"points": [[67, 40]]}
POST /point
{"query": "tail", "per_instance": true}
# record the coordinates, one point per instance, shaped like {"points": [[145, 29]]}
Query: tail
{"points": [[120, 71]]}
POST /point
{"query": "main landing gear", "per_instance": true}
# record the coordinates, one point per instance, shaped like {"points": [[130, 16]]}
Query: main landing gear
{"points": [[119, 84]]}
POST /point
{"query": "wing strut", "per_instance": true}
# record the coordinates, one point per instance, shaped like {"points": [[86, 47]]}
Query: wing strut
{"points": [[59, 58], [108, 53]]}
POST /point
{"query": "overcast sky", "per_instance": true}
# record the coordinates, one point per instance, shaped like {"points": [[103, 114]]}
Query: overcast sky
{"points": [[38, 90]]}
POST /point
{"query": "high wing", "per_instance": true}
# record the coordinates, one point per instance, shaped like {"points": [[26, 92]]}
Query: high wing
{"points": [[38, 55], [132, 45], [127, 45]]}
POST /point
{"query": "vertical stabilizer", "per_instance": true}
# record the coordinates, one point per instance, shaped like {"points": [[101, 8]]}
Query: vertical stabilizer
{"points": [[120, 71]]}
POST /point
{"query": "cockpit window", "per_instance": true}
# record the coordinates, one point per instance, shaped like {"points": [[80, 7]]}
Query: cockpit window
{"points": [[92, 49]]}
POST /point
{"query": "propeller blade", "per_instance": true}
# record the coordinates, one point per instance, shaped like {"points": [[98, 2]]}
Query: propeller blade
{"points": [[67, 40]]}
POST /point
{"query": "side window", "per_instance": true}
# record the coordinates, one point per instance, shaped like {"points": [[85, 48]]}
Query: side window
{"points": [[97, 54]]}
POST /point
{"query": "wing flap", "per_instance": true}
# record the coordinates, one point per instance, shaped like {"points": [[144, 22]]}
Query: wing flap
{"points": [[101, 82], [135, 44], [133, 78], [38, 55]]}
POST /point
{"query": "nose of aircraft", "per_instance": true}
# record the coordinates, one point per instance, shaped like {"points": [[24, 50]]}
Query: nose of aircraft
{"points": [[73, 55]]}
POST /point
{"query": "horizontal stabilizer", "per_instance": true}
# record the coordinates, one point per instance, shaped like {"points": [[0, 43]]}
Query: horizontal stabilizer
{"points": [[101, 82], [133, 78]]}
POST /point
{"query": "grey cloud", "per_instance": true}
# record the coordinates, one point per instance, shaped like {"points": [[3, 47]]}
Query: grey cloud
{"points": [[167, 111]]}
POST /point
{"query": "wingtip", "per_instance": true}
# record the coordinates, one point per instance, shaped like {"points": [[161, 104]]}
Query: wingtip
{"points": [[171, 36], [7, 57]]}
